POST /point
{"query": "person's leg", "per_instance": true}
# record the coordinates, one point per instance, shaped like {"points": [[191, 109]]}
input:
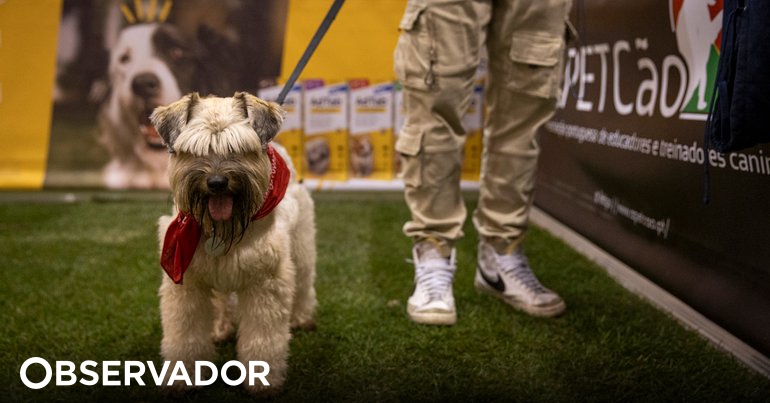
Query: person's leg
{"points": [[526, 45], [436, 59]]}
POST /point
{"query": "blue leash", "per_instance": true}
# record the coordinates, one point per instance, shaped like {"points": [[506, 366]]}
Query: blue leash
{"points": [[327, 21]]}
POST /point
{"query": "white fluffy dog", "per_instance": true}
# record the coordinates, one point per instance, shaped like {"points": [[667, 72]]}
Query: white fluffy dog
{"points": [[244, 232]]}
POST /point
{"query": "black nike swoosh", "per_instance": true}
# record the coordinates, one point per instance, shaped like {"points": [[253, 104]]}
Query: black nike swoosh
{"points": [[497, 284]]}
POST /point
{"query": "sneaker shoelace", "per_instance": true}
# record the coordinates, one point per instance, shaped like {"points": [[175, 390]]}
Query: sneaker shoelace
{"points": [[516, 266], [434, 276]]}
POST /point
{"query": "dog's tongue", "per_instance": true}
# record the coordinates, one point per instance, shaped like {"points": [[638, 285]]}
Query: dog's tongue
{"points": [[151, 136], [221, 207]]}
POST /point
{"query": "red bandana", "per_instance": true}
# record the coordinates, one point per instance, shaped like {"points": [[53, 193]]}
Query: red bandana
{"points": [[184, 232]]}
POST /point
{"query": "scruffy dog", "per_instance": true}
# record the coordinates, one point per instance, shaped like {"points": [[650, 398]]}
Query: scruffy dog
{"points": [[244, 232]]}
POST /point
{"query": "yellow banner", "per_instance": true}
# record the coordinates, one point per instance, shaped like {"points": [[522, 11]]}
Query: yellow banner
{"points": [[28, 31], [359, 43]]}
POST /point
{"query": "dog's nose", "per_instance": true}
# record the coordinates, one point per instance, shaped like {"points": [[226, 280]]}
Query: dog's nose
{"points": [[146, 85], [217, 183]]}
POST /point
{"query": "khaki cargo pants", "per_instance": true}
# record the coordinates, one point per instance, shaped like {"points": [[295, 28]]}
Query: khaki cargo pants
{"points": [[436, 59]]}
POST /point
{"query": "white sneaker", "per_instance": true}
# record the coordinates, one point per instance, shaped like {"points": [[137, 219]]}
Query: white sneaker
{"points": [[432, 302], [509, 277]]}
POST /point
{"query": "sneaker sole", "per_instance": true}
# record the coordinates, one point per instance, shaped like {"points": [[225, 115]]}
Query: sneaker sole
{"points": [[540, 311], [432, 318]]}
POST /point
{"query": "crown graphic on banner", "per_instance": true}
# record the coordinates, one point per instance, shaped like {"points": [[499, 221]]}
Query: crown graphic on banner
{"points": [[146, 14]]}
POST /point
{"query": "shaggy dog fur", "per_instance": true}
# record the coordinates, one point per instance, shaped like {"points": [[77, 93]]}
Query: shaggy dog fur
{"points": [[264, 275]]}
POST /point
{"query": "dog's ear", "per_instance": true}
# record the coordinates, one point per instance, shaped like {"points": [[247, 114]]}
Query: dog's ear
{"points": [[170, 119], [265, 117]]}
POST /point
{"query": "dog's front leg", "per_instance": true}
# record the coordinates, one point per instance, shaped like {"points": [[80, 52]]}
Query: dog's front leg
{"points": [[263, 332], [186, 314]]}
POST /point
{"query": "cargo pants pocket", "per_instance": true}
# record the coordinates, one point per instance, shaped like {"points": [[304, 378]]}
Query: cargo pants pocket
{"points": [[536, 61], [408, 145], [411, 58]]}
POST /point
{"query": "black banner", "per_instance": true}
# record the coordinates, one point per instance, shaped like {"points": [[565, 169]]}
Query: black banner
{"points": [[623, 160]]}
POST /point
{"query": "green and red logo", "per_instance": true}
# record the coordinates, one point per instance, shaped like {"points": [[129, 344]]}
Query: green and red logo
{"points": [[698, 28], [629, 76]]}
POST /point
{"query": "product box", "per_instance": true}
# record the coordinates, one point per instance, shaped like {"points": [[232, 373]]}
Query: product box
{"points": [[473, 122], [326, 131], [291, 134], [371, 130]]}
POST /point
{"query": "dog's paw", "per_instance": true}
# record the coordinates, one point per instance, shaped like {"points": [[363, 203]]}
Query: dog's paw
{"points": [[306, 326]]}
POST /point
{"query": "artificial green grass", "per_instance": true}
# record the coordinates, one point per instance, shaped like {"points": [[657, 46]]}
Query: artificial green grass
{"points": [[79, 282]]}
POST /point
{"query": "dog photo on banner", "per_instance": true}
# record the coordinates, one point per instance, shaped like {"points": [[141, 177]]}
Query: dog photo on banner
{"points": [[117, 60]]}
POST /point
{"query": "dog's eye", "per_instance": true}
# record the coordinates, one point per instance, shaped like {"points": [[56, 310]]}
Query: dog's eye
{"points": [[177, 54], [125, 58]]}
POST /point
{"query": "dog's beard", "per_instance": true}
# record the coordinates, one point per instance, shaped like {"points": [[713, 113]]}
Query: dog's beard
{"points": [[224, 216]]}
